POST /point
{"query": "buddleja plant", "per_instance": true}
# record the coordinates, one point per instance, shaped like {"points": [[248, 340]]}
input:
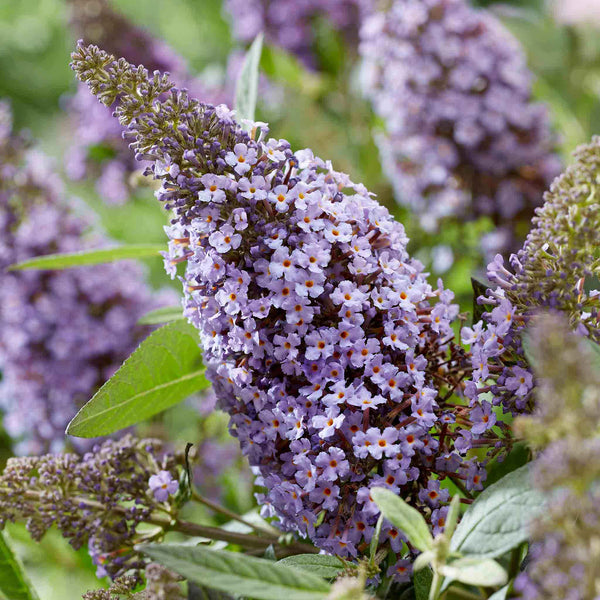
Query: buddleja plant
{"points": [[370, 429]]}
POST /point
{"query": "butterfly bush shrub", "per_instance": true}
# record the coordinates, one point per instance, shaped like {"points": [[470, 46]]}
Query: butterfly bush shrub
{"points": [[462, 135], [324, 341], [333, 355], [62, 333]]}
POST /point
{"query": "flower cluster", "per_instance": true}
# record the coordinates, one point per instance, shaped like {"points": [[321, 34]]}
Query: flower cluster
{"points": [[325, 343], [463, 138], [97, 499], [98, 149], [557, 269], [565, 556], [62, 333], [289, 23]]}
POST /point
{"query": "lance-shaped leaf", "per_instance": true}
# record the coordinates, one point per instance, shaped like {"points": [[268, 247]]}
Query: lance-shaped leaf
{"points": [[166, 314], [246, 89], [406, 518], [238, 574], [375, 540], [165, 369], [14, 584], [473, 570], [498, 520], [323, 565], [88, 257], [422, 583], [501, 594]]}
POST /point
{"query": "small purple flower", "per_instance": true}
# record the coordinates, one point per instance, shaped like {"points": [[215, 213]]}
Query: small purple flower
{"points": [[521, 382], [401, 570], [162, 485], [225, 239], [241, 159], [433, 494], [280, 197], [326, 495], [253, 189], [483, 418], [333, 463]]}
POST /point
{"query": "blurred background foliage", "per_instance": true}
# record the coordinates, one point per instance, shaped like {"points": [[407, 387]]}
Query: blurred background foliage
{"points": [[321, 109]]}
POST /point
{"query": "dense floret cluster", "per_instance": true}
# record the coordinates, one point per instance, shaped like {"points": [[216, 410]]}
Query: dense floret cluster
{"points": [[565, 558], [98, 149], [557, 268], [62, 333], [95, 500], [324, 341], [462, 136], [290, 23]]}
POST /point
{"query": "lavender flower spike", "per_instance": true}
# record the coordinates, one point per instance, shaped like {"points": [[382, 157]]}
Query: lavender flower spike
{"points": [[325, 343], [62, 333], [462, 136], [558, 268]]}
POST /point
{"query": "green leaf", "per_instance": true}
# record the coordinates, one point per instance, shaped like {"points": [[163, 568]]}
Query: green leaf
{"points": [[526, 343], [479, 289], [519, 455], [166, 314], [406, 518], [501, 594], [319, 564], [284, 67], [375, 539], [474, 570], [237, 573], [498, 520], [164, 370], [422, 583], [594, 350], [423, 560], [246, 89], [88, 257], [14, 584], [452, 516], [198, 592]]}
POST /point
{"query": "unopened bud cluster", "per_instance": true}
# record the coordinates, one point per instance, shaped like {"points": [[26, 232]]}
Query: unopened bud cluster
{"points": [[95, 500]]}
